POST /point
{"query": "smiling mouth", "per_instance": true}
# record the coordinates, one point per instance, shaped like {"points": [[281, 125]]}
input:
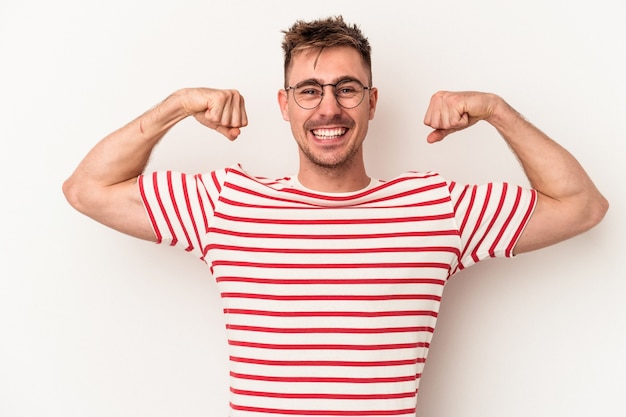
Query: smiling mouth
{"points": [[327, 134]]}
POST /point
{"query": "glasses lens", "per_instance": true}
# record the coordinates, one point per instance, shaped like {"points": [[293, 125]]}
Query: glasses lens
{"points": [[349, 93], [308, 95]]}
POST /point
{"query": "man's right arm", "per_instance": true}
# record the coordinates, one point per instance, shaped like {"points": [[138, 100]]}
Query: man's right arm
{"points": [[104, 185]]}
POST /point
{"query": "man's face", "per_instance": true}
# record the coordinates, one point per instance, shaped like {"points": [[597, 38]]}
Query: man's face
{"points": [[329, 135]]}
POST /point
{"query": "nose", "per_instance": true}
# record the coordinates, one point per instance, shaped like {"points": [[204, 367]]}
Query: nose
{"points": [[329, 103]]}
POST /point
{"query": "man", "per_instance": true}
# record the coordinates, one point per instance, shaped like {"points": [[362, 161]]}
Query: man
{"points": [[331, 281]]}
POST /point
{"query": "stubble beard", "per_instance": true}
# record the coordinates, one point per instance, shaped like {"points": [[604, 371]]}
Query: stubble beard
{"points": [[336, 162]]}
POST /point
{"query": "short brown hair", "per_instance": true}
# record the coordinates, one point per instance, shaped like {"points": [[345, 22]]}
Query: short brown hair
{"points": [[324, 33]]}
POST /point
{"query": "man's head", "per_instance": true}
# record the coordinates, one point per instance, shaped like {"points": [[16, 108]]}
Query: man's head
{"points": [[324, 33], [328, 98]]}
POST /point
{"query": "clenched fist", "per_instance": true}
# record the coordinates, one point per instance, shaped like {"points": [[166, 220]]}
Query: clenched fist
{"points": [[449, 112], [221, 110]]}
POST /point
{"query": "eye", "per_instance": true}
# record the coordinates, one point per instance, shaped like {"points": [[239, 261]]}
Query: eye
{"points": [[309, 90], [348, 88]]}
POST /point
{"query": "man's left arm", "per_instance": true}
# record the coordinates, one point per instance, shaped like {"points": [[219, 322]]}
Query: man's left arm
{"points": [[568, 202]]}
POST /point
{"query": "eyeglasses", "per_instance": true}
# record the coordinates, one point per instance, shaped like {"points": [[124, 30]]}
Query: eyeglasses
{"points": [[349, 93]]}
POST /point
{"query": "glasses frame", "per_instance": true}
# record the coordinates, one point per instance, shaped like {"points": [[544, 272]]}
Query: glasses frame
{"points": [[313, 82]]}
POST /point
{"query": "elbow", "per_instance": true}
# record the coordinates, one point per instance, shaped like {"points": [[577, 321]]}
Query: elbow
{"points": [[602, 208], [72, 193], [69, 191], [597, 208]]}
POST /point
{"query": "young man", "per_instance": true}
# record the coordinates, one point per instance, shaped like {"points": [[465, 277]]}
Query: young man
{"points": [[331, 281]]}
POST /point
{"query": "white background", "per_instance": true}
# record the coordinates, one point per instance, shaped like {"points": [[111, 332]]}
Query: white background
{"points": [[97, 324]]}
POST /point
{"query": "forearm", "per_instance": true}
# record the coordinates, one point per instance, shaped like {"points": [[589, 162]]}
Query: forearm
{"points": [[124, 154]]}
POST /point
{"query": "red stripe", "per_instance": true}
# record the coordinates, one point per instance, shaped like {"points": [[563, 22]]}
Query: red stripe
{"points": [[520, 229], [162, 207], [326, 363], [331, 330], [349, 281], [325, 197], [465, 221], [439, 265], [338, 237], [478, 221], [468, 212], [175, 205], [361, 413], [205, 219], [368, 380], [192, 218], [272, 346], [155, 226], [324, 396], [385, 297], [385, 220], [218, 186], [364, 207], [506, 223], [495, 217], [408, 249], [406, 313], [267, 197], [461, 196], [408, 193], [335, 198]]}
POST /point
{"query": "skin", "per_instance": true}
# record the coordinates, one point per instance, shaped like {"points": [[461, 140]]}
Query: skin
{"points": [[104, 185]]}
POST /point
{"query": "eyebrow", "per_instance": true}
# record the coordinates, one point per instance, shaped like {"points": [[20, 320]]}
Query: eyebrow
{"points": [[335, 81]]}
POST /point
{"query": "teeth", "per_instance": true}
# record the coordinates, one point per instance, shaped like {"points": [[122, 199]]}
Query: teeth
{"points": [[329, 133]]}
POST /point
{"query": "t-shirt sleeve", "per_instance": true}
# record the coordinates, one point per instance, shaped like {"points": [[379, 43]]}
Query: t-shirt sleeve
{"points": [[490, 218], [180, 206]]}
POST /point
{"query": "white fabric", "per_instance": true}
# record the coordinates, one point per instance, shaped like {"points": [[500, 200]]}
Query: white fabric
{"points": [[331, 300]]}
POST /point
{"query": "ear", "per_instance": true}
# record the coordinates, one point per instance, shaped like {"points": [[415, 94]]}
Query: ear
{"points": [[373, 99], [283, 102]]}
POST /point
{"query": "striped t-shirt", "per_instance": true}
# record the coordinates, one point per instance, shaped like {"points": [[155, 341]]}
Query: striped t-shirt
{"points": [[331, 300]]}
